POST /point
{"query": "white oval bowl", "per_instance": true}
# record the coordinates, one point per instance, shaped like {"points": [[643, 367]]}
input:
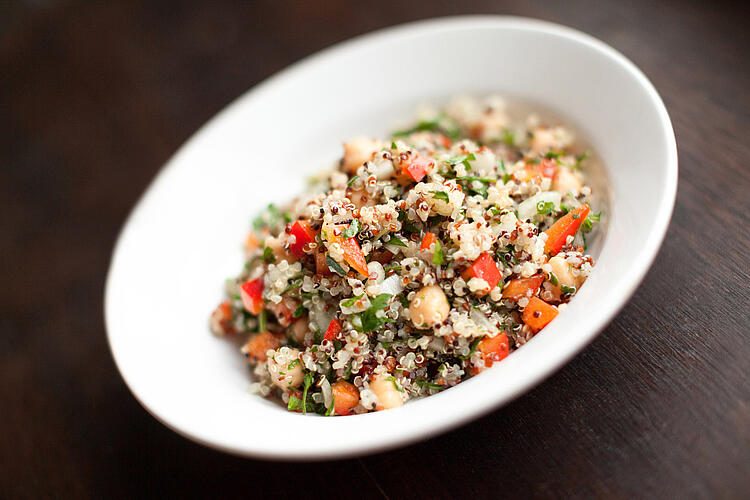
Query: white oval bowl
{"points": [[184, 236]]}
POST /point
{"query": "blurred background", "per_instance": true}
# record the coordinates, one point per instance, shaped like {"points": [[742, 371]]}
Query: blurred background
{"points": [[96, 96]]}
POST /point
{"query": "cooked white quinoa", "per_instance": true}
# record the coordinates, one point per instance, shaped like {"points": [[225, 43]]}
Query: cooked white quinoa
{"points": [[417, 262]]}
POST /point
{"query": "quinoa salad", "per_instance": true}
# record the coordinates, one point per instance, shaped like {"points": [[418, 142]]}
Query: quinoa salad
{"points": [[418, 261]]}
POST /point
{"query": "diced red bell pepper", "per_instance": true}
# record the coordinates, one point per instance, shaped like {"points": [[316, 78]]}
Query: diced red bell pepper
{"points": [[303, 234], [417, 168], [484, 268], [334, 327], [538, 314], [567, 225], [523, 287], [427, 241], [494, 349], [251, 293]]}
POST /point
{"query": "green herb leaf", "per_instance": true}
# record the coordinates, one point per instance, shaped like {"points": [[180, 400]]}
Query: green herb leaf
{"points": [[329, 411], [352, 230], [438, 258], [580, 159], [352, 181], [506, 178], [295, 403], [393, 145], [268, 256], [429, 385], [395, 383], [509, 137], [545, 207], [294, 363], [588, 224], [474, 346], [396, 241], [370, 320], [308, 380], [299, 311], [334, 266], [480, 179], [553, 279], [568, 290], [440, 195]]}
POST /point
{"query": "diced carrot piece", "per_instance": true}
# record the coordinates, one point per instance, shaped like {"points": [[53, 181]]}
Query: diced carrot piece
{"points": [[427, 241], [567, 225], [345, 397], [303, 234], [538, 314], [484, 268], [417, 168], [251, 293], [523, 287], [258, 345], [334, 327]]}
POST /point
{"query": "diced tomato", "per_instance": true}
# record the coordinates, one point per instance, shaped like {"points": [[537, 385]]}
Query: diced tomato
{"points": [[345, 397], [251, 293], [523, 287], [538, 314], [334, 327], [417, 168], [494, 349], [444, 141], [567, 225], [484, 268], [427, 241], [303, 234]]}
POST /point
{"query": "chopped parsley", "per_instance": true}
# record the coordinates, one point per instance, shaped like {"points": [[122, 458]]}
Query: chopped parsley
{"points": [[474, 346], [440, 195], [429, 385], [308, 382], [351, 231], [580, 159], [299, 311], [268, 256], [545, 207], [396, 241], [438, 258], [370, 320], [455, 160], [568, 290], [553, 279], [295, 403], [352, 181], [395, 383], [588, 223], [509, 137], [334, 266]]}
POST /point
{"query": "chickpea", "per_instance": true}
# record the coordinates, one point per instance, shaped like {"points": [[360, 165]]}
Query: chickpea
{"points": [[429, 307], [298, 330], [387, 390], [562, 271], [357, 151], [565, 180], [285, 368], [345, 396]]}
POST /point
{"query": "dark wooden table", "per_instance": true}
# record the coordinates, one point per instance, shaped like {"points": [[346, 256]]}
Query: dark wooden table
{"points": [[95, 97]]}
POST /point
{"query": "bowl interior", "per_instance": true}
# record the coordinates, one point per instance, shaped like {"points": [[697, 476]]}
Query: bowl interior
{"points": [[184, 237]]}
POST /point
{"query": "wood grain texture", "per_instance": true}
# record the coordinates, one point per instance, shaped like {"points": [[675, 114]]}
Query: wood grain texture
{"points": [[96, 96]]}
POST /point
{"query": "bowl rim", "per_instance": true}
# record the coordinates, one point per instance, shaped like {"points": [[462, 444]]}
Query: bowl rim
{"points": [[639, 267]]}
